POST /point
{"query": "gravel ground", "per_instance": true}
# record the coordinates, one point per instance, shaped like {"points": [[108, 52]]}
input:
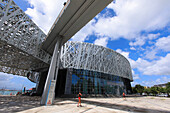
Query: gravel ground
{"points": [[25, 104]]}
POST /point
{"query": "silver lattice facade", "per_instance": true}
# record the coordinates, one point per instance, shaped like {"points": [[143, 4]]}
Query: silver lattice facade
{"points": [[86, 56], [20, 40]]}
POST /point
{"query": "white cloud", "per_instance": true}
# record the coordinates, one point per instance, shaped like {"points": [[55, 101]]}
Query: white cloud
{"points": [[84, 32], [5, 77], [148, 83], [164, 80], [135, 76], [159, 67], [153, 36], [133, 17], [44, 13], [132, 48], [102, 41], [163, 43], [140, 40], [151, 54], [154, 67], [8, 81], [161, 80]]}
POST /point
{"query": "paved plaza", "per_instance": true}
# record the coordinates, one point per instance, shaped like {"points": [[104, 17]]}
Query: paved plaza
{"points": [[24, 104]]}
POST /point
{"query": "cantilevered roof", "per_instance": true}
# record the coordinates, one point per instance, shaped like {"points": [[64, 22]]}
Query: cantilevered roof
{"points": [[20, 40], [74, 15]]}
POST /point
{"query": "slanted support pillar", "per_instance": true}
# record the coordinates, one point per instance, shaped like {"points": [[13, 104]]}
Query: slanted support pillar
{"points": [[52, 73]]}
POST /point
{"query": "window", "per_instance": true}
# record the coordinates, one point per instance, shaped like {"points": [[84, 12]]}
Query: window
{"points": [[90, 82]]}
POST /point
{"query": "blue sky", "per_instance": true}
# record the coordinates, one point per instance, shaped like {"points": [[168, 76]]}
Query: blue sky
{"points": [[14, 82], [139, 30]]}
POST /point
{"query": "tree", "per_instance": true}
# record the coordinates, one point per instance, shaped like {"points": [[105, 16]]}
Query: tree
{"points": [[154, 90], [161, 90], [139, 88], [168, 88], [134, 90], [146, 90]]}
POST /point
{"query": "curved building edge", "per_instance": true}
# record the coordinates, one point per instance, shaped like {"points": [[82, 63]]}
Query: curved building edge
{"points": [[90, 69], [87, 56]]}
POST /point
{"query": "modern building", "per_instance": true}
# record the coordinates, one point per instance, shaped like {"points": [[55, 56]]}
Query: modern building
{"points": [[25, 50], [91, 69]]}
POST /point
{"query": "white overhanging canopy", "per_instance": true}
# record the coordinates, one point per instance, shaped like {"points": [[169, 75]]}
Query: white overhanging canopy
{"points": [[74, 15]]}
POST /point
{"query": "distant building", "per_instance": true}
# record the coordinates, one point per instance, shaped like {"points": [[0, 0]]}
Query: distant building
{"points": [[160, 85]]}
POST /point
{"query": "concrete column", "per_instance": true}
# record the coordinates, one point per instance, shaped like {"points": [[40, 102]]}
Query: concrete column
{"points": [[41, 83], [53, 71]]}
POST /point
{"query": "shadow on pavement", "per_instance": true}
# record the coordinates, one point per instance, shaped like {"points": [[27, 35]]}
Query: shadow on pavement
{"points": [[122, 107], [10, 104]]}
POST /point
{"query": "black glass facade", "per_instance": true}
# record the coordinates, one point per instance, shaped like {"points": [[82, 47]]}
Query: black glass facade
{"points": [[91, 82]]}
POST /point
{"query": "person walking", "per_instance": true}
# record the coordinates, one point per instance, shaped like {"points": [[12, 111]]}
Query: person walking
{"points": [[79, 97], [24, 90], [124, 96]]}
